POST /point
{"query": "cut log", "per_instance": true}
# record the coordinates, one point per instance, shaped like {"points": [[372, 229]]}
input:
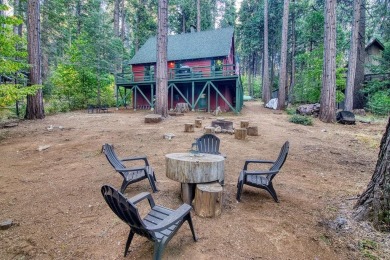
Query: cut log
{"points": [[240, 133], [153, 118], [198, 123], [182, 107], [189, 127], [208, 199], [209, 130], [244, 123], [252, 131]]}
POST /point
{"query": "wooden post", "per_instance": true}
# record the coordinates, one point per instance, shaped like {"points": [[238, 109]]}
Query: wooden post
{"points": [[153, 118], [244, 123], [208, 199], [209, 130], [252, 131], [240, 133], [198, 123], [189, 127]]}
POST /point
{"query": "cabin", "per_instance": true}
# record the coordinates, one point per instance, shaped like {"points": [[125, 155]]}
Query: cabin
{"points": [[202, 73], [373, 51]]}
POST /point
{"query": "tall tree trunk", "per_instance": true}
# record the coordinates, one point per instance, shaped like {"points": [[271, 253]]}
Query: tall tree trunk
{"points": [[328, 90], [374, 202], [78, 16], [162, 67], [123, 21], [116, 17], [292, 82], [198, 15], [283, 59], [358, 100], [34, 107], [352, 59], [266, 94]]}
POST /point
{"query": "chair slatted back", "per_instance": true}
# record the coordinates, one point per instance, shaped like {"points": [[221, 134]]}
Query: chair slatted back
{"points": [[281, 158], [108, 150], [125, 210], [208, 143]]}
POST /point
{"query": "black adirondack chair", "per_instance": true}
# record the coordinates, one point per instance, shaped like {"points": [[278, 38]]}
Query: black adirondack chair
{"points": [[130, 175], [159, 225], [262, 179], [208, 143]]}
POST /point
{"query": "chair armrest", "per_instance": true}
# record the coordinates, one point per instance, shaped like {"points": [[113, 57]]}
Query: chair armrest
{"points": [[137, 158], [247, 162], [177, 215], [130, 169], [260, 172], [142, 196]]}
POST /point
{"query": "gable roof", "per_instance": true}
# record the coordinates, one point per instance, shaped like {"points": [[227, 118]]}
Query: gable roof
{"points": [[187, 46], [375, 41]]}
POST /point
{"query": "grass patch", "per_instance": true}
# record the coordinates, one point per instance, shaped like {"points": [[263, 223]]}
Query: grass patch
{"points": [[302, 120], [367, 248]]}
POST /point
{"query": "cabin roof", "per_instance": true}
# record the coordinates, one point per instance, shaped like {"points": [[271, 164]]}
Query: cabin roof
{"points": [[187, 46], [376, 42]]}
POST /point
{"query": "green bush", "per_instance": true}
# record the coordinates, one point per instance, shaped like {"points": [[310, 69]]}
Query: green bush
{"points": [[302, 120], [379, 103]]}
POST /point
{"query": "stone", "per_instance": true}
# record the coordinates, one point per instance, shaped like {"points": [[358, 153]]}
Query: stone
{"points": [[6, 224]]}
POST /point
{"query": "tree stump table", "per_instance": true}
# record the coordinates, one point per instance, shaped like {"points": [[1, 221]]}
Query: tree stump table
{"points": [[153, 118], [191, 169], [252, 131], [240, 133], [244, 123], [209, 130], [208, 199], [189, 127], [198, 123]]}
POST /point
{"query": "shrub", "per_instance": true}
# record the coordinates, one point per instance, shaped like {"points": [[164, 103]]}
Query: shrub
{"points": [[302, 120]]}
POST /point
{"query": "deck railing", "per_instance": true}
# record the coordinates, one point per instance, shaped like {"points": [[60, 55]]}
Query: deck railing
{"points": [[182, 74]]}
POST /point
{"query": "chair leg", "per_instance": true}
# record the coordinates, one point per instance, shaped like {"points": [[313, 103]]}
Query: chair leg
{"points": [[272, 191], [240, 185], [124, 186], [159, 247], [152, 183], [189, 219], [129, 239]]}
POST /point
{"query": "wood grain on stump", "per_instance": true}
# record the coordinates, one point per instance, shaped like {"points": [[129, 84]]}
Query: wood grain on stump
{"points": [[252, 131], [209, 130], [244, 123], [240, 133], [153, 118], [198, 123], [189, 127], [208, 199]]}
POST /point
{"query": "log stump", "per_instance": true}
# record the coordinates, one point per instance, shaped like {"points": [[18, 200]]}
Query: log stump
{"points": [[244, 123], [208, 199], [189, 127], [198, 123], [182, 108], [252, 131], [209, 130], [153, 118], [240, 133]]}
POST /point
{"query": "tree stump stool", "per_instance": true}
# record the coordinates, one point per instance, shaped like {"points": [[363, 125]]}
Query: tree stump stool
{"points": [[153, 118], [182, 107], [208, 199], [244, 123], [209, 130], [240, 133], [189, 127], [198, 123], [252, 131]]}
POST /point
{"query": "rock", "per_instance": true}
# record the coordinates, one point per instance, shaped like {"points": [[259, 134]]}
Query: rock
{"points": [[218, 129], [6, 224], [43, 147], [309, 109], [169, 136]]}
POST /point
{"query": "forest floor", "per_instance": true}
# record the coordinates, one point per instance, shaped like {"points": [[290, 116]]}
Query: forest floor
{"points": [[53, 195]]}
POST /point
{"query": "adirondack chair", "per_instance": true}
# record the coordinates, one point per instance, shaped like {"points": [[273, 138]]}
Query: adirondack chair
{"points": [[208, 143], [130, 175], [159, 225], [262, 179]]}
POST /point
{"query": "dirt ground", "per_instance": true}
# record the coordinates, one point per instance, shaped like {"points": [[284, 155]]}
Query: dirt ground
{"points": [[53, 196]]}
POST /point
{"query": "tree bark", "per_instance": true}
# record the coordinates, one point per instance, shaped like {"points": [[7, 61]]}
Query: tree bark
{"points": [[374, 203], [34, 107], [116, 17], [292, 83], [161, 67], [358, 99], [352, 59], [266, 94], [123, 21], [283, 59], [328, 90]]}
